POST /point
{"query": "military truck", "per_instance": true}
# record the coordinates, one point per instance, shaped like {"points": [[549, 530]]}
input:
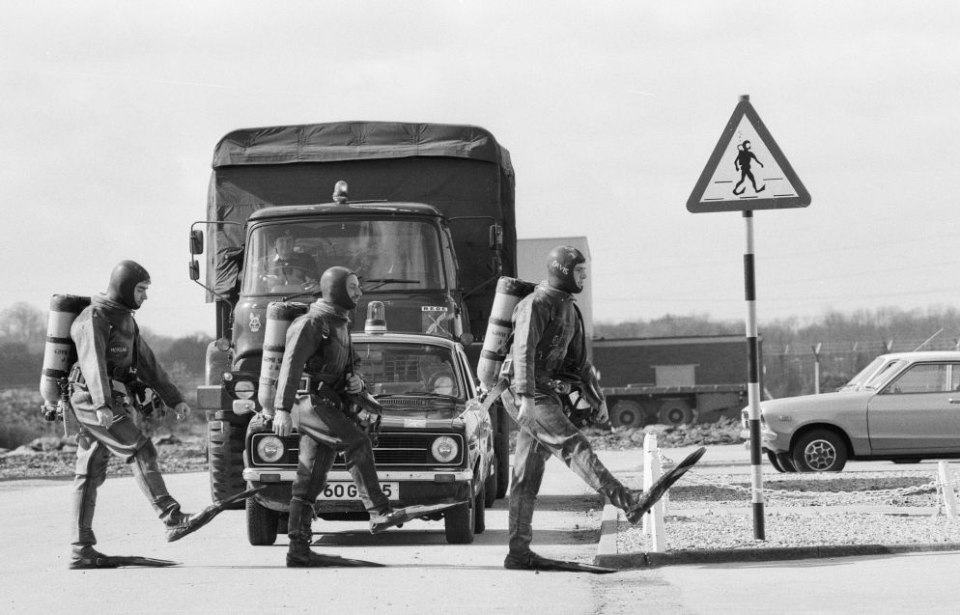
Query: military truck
{"points": [[672, 380], [424, 213]]}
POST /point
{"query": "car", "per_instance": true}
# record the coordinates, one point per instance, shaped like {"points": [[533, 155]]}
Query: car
{"points": [[903, 407], [435, 442]]}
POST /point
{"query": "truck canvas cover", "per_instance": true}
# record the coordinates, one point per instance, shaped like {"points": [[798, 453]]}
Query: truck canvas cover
{"points": [[460, 170]]}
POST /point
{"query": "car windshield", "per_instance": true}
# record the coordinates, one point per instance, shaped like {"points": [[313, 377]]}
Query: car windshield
{"points": [[399, 369], [396, 255], [863, 375], [881, 375]]}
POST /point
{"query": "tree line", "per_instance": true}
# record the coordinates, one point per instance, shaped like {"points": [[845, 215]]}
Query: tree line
{"points": [[842, 343], [23, 332], [839, 344]]}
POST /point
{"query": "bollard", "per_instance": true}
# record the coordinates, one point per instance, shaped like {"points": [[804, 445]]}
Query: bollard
{"points": [[653, 520], [946, 486]]}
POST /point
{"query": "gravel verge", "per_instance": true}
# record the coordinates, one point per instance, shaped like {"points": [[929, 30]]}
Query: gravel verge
{"points": [[801, 510]]}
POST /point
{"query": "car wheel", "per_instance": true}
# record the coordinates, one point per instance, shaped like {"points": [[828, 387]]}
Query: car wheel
{"points": [[772, 458], [479, 514], [458, 523], [261, 524], [626, 413], [819, 450]]}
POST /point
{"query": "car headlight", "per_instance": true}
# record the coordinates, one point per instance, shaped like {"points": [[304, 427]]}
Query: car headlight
{"points": [[445, 449], [270, 449]]}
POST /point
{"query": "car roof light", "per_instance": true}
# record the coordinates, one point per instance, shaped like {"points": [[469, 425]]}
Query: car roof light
{"points": [[376, 318], [340, 192]]}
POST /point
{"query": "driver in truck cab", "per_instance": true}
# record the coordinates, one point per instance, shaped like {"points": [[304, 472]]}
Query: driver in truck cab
{"points": [[286, 265]]}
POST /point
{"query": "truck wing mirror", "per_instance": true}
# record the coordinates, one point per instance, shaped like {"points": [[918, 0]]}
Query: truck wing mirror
{"points": [[194, 270], [196, 242]]}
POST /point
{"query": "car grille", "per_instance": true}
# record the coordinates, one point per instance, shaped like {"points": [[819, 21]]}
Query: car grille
{"points": [[395, 449]]}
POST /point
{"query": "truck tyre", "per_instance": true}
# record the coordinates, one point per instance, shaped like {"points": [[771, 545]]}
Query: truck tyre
{"points": [[501, 448], [626, 413], [491, 485], [675, 412], [225, 459], [458, 523], [819, 450], [261, 524]]}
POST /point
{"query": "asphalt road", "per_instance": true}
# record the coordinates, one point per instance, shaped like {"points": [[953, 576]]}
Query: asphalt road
{"points": [[222, 573]]}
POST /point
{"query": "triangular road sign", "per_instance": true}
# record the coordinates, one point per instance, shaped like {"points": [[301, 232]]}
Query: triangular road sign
{"points": [[747, 170]]}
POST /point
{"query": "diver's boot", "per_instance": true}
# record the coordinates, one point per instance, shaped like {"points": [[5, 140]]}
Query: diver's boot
{"points": [[300, 534], [88, 558]]}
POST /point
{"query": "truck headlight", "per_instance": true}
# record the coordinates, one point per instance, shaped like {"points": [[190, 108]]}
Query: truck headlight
{"points": [[270, 449], [245, 389], [445, 449]]}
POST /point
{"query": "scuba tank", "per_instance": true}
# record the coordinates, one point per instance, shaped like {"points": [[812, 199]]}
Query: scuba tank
{"points": [[59, 352], [499, 328], [279, 317]]}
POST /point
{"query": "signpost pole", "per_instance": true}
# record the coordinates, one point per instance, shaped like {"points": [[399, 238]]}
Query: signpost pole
{"points": [[753, 380]]}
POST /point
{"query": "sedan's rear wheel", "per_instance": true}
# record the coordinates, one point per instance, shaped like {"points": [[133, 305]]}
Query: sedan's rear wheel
{"points": [[819, 450]]}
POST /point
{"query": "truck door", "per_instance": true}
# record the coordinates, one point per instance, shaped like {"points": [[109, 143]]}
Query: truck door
{"points": [[918, 411]]}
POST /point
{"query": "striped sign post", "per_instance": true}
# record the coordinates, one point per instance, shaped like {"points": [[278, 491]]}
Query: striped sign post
{"points": [[748, 171]]}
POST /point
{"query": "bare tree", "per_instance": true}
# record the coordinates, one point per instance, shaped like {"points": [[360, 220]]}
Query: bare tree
{"points": [[25, 324]]}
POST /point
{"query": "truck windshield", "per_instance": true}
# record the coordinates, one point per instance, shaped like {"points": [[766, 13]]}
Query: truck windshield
{"points": [[394, 255], [397, 369]]}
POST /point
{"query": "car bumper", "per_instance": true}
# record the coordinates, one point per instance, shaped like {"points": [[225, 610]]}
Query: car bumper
{"points": [[769, 440], [415, 487]]}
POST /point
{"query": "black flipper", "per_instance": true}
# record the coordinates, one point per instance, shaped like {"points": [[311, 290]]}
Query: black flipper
{"points": [[652, 495], [536, 562], [402, 515], [118, 561], [196, 521], [320, 560]]}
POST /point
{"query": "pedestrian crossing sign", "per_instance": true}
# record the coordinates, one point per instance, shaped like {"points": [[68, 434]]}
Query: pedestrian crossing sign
{"points": [[747, 170]]}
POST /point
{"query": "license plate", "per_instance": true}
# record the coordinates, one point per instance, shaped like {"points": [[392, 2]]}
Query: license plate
{"points": [[348, 491]]}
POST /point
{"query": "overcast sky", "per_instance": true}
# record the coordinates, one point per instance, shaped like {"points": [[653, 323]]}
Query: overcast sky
{"points": [[610, 110]]}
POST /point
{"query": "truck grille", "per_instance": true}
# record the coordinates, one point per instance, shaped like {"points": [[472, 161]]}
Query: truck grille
{"points": [[395, 449]]}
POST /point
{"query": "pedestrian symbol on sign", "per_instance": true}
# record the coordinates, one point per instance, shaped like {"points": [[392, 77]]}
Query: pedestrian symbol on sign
{"points": [[742, 164]]}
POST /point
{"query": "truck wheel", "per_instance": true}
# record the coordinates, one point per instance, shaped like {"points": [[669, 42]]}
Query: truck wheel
{"points": [[261, 524], [501, 448], [458, 523], [225, 460], [491, 486], [626, 413], [675, 412], [819, 450]]}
